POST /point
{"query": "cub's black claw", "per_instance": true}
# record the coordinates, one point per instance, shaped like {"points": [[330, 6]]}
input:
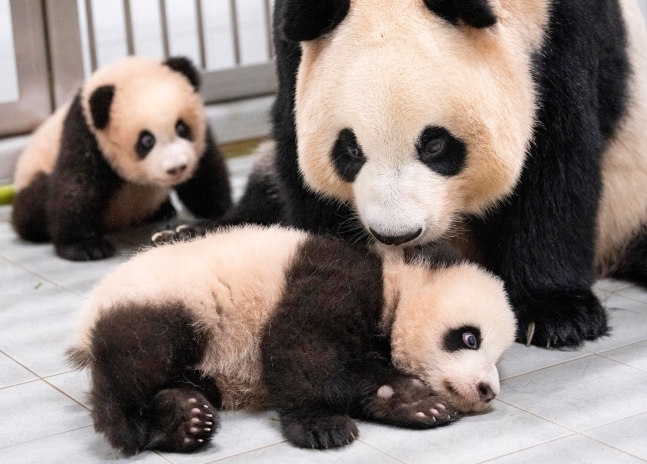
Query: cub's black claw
{"points": [[407, 402], [182, 421], [561, 319], [320, 432], [92, 249]]}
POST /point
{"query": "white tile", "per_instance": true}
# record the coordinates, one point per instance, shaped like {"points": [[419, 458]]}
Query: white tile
{"points": [[612, 285], [16, 283], [520, 359], [580, 394], [632, 355], [38, 328], [284, 453], [573, 450], [82, 446], [239, 432], [473, 439], [34, 410], [627, 435], [12, 373], [75, 384], [628, 322], [635, 293]]}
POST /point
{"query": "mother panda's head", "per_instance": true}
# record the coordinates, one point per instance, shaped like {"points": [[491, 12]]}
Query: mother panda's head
{"points": [[413, 111]]}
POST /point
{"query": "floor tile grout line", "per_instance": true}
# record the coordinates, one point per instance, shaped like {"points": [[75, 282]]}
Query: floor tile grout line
{"points": [[46, 436], [538, 416], [613, 447], [620, 362], [382, 451], [43, 276], [529, 447], [246, 452], [590, 353], [20, 384], [613, 422], [67, 395], [21, 364]]}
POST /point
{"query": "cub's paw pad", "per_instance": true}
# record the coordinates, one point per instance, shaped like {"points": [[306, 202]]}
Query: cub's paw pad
{"points": [[179, 232], [321, 432], [87, 250], [563, 320], [182, 421], [408, 402]]}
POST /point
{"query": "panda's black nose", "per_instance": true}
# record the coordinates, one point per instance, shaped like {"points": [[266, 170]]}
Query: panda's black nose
{"points": [[176, 170], [485, 392], [396, 239]]}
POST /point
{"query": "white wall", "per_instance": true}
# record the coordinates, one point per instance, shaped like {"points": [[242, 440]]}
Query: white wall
{"points": [[643, 6]]}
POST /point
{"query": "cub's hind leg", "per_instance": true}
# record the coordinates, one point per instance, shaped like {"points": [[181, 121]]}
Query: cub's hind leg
{"points": [[145, 393]]}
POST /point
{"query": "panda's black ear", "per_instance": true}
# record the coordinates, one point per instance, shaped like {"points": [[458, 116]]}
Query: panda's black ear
{"points": [[100, 103], [475, 13], [303, 20], [185, 67]]}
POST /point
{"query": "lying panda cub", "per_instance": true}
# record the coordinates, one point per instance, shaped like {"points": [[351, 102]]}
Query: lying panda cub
{"points": [[107, 160], [319, 329]]}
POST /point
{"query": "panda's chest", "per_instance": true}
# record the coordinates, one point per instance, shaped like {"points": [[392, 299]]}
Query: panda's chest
{"points": [[132, 204]]}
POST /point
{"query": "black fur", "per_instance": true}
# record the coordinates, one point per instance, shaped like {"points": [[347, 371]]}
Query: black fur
{"points": [[100, 103], [541, 241], [453, 340], [303, 20], [208, 193], [80, 187], [475, 13], [633, 265], [447, 161], [347, 156], [185, 67], [142, 381], [324, 355], [29, 215]]}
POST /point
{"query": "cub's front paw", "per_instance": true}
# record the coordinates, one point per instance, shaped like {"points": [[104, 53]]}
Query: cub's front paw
{"points": [[179, 232], [408, 402], [91, 249], [322, 432], [561, 319], [182, 421]]}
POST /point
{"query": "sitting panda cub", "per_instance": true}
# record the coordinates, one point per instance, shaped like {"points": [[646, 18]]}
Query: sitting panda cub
{"points": [[315, 327], [107, 160]]}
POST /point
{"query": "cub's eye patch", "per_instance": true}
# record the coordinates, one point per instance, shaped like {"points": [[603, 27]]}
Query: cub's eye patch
{"points": [[464, 338], [182, 130], [439, 150], [347, 156], [145, 144]]}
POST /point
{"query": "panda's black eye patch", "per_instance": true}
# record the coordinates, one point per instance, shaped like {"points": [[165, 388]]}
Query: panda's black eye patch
{"points": [[441, 151], [182, 130], [464, 338], [145, 144], [348, 156]]}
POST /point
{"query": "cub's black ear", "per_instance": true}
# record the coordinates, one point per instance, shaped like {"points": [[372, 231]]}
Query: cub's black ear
{"points": [[475, 13], [100, 103], [185, 67], [304, 20]]}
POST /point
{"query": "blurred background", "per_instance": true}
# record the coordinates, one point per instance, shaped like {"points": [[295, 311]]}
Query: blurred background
{"points": [[47, 48]]}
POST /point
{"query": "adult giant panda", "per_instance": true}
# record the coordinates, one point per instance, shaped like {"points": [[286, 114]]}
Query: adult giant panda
{"points": [[519, 125], [316, 327], [107, 160]]}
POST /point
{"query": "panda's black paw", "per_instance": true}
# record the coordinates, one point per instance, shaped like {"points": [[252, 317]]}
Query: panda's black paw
{"points": [[182, 420], [561, 320], [92, 249], [178, 232], [323, 432], [408, 402]]}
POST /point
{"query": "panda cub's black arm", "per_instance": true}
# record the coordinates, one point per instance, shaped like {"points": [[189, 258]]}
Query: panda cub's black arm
{"points": [[208, 193], [325, 358], [80, 187]]}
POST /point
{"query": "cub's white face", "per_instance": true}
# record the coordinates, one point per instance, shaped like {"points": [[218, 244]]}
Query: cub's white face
{"points": [[450, 329], [156, 132], [412, 120]]}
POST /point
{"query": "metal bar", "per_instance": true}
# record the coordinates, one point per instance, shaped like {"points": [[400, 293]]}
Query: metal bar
{"points": [[241, 82], [268, 29], [92, 40], [164, 20], [200, 24], [65, 49], [130, 40], [234, 31]]}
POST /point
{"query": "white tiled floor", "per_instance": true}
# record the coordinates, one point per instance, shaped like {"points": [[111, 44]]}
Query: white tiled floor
{"points": [[585, 406]]}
